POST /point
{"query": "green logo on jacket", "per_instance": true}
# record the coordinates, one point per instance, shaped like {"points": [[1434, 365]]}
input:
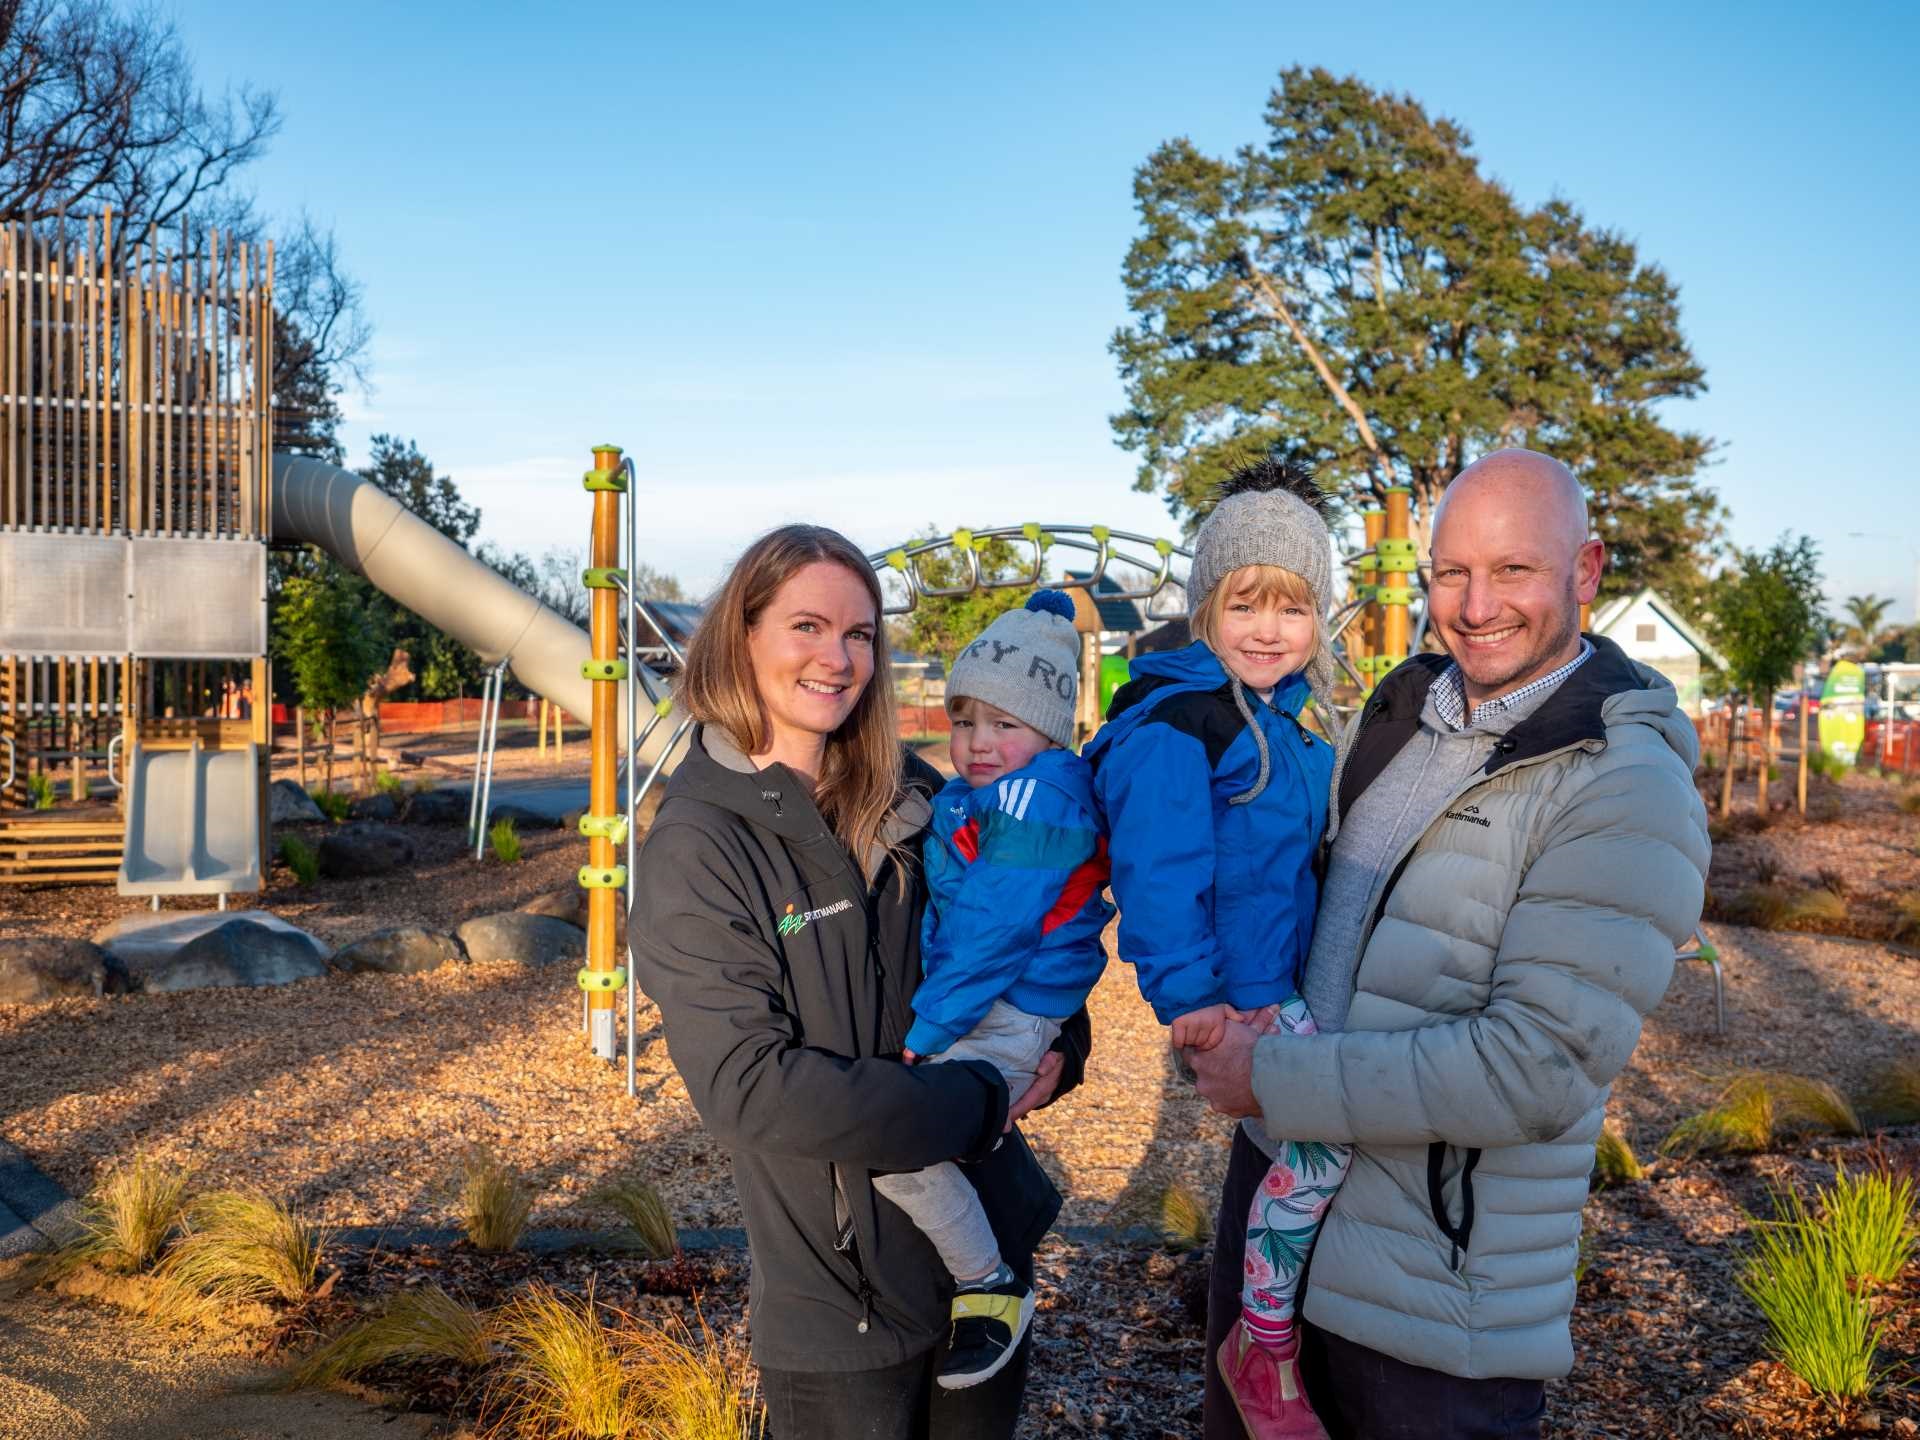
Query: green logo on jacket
{"points": [[793, 922]]}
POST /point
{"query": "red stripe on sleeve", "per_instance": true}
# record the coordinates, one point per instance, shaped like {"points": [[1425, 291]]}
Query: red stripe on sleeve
{"points": [[1086, 879]]}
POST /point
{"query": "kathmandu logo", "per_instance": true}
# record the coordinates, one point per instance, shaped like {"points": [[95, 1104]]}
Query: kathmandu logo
{"points": [[1472, 816], [793, 922]]}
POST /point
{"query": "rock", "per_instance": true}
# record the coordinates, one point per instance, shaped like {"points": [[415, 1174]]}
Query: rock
{"points": [[437, 807], [523, 818], [291, 805], [381, 805], [48, 969], [404, 951], [240, 953], [569, 905], [348, 852], [530, 939], [144, 941]]}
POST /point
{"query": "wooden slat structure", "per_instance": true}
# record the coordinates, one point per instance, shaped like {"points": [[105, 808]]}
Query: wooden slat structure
{"points": [[135, 400]]}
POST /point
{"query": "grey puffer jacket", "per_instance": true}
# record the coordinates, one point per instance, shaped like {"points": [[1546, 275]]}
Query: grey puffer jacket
{"points": [[1501, 985]]}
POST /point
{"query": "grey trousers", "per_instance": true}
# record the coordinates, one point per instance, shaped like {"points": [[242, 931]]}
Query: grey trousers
{"points": [[939, 1200]]}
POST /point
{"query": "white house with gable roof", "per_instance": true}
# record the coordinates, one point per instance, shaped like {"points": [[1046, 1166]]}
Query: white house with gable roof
{"points": [[1651, 630]]}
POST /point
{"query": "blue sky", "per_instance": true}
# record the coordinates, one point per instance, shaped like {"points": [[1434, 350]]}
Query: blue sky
{"points": [[859, 263]]}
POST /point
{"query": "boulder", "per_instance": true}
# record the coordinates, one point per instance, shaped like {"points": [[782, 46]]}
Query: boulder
{"points": [[524, 818], [381, 805], [240, 953], [407, 950], [437, 807], [290, 805], [349, 852], [569, 905], [146, 940], [48, 969], [530, 939]]}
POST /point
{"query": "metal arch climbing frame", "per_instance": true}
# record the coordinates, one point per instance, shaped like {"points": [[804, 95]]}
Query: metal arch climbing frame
{"points": [[1102, 542]]}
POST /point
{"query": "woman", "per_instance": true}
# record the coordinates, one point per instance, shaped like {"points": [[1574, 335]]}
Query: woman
{"points": [[777, 925]]}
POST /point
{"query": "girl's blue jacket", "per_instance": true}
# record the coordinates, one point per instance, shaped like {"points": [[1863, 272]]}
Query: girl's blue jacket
{"points": [[1015, 872], [1216, 900]]}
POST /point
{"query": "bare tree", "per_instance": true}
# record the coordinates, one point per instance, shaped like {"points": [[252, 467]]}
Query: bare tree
{"points": [[99, 107], [320, 340]]}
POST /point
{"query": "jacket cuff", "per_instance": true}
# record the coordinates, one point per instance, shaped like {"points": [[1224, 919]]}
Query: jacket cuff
{"points": [[1182, 991], [1296, 1081], [998, 1103], [927, 1038]]}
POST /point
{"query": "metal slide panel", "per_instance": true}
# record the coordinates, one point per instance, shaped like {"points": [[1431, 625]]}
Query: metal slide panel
{"points": [[62, 594], [193, 822], [197, 599]]}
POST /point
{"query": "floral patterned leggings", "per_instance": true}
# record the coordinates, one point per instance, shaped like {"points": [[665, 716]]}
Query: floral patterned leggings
{"points": [[1284, 1219]]}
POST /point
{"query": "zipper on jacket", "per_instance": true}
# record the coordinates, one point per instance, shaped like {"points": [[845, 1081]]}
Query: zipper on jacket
{"points": [[1458, 1236], [846, 1244]]}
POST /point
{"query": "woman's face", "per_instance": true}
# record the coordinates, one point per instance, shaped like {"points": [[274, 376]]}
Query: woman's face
{"points": [[812, 652]]}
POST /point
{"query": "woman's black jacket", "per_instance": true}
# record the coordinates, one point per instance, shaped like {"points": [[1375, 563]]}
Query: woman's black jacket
{"points": [[783, 980]]}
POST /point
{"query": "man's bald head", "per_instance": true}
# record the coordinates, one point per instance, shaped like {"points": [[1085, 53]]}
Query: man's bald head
{"points": [[1525, 481], [1513, 562]]}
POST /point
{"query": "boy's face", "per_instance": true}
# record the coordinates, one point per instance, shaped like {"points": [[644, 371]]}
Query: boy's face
{"points": [[988, 743], [1262, 641]]}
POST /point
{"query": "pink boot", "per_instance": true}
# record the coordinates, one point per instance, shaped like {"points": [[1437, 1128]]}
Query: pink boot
{"points": [[1266, 1389]]}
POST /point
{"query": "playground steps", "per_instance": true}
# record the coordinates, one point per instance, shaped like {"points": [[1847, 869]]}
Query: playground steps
{"points": [[65, 852]]}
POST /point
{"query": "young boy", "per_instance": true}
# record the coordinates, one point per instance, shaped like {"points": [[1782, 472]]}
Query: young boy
{"points": [[1011, 945]]}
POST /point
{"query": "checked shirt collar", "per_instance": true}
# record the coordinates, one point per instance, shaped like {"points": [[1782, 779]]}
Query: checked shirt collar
{"points": [[1450, 692]]}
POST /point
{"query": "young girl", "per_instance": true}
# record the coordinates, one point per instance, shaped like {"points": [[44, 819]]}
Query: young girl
{"points": [[1216, 796]]}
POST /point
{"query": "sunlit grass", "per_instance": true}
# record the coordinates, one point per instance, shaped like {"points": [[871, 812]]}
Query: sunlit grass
{"points": [[1821, 1329], [332, 804], [1871, 1216], [242, 1245], [492, 1201], [421, 1324], [639, 1204], [301, 859], [127, 1218], [504, 838], [1757, 1107], [1614, 1162], [1818, 906], [1184, 1221], [1894, 1095]]}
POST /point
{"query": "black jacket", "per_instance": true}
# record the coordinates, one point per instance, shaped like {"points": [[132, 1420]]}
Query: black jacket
{"points": [[784, 980]]}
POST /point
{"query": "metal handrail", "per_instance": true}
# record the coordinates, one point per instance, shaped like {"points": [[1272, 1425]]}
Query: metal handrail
{"points": [[118, 742], [12, 756]]}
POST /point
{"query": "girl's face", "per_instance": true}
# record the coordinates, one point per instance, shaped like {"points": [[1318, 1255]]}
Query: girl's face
{"points": [[812, 654], [988, 743], [1262, 641]]}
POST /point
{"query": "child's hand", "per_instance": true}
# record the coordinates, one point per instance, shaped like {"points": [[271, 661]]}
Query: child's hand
{"points": [[908, 1056], [1201, 1029]]}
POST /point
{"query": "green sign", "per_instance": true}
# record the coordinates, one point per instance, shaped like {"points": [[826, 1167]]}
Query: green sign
{"points": [[1843, 712], [1114, 672]]}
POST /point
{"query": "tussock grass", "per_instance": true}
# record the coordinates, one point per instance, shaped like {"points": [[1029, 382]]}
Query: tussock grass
{"points": [[1829, 877], [492, 1201], [1766, 869], [242, 1245], [1821, 1329], [690, 1383], [1894, 1095], [504, 838], [1757, 1107], [1820, 763], [301, 858], [1821, 907], [127, 1219], [1184, 1221], [422, 1324], [335, 806], [40, 791], [388, 783], [1871, 1216], [1614, 1162], [1906, 922], [1910, 802], [639, 1204], [1765, 906]]}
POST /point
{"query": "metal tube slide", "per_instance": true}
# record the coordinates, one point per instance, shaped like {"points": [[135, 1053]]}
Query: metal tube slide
{"points": [[371, 533]]}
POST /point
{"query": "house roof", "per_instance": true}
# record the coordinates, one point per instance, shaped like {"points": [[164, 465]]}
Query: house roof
{"points": [[1611, 613], [1121, 615]]}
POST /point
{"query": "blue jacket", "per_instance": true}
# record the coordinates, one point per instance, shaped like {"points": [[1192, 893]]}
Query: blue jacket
{"points": [[1015, 872], [1216, 900]]}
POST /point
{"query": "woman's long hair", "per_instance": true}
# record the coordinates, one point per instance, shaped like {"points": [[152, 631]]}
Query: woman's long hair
{"points": [[859, 780]]}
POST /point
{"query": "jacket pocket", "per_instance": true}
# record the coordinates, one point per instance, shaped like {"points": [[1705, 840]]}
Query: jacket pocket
{"points": [[846, 1243], [1460, 1235]]}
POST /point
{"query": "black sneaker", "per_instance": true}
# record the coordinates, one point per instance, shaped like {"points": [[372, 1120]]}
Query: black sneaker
{"points": [[988, 1324]]}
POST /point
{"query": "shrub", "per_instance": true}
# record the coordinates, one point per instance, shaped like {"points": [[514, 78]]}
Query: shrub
{"points": [[40, 790], [1816, 907], [333, 805], [1710, 760], [1766, 869], [1765, 906], [1614, 1162], [1820, 763], [422, 1324], [1184, 1221], [300, 858], [1755, 1108], [690, 1385], [1894, 1095], [1872, 1221], [1822, 1330], [1910, 801], [388, 783], [242, 1245], [505, 840], [1829, 878], [127, 1218], [493, 1202], [638, 1203]]}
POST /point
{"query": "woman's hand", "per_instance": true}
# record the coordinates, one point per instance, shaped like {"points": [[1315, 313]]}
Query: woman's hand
{"points": [[1045, 1080]]}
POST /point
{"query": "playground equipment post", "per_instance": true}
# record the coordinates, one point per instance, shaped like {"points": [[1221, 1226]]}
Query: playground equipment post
{"points": [[605, 823]]}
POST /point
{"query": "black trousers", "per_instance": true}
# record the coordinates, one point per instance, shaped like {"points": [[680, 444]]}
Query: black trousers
{"points": [[898, 1403], [1359, 1393]]}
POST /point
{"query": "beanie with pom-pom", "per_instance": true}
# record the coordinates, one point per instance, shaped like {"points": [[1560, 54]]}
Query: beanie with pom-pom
{"points": [[1027, 663]]}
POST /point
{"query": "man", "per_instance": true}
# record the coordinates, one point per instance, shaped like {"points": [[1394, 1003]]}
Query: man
{"points": [[1515, 849]]}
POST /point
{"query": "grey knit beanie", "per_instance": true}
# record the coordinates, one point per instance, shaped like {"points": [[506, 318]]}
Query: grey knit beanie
{"points": [[1268, 515], [1027, 663]]}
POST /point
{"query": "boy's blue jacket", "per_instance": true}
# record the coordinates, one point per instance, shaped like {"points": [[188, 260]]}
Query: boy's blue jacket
{"points": [[1216, 900], [1015, 872]]}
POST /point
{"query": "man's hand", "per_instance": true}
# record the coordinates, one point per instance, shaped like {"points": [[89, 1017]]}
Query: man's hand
{"points": [[1224, 1074], [1045, 1079]]}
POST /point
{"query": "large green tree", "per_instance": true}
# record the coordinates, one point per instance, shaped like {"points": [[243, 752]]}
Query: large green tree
{"points": [[941, 625], [1766, 618], [1353, 291], [330, 637]]}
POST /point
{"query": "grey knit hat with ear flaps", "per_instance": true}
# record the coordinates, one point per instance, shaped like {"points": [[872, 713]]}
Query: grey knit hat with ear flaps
{"points": [[1268, 514]]}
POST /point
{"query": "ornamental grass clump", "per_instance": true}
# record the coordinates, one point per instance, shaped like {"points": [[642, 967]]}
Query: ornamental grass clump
{"points": [[1756, 1108], [1894, 1095], [422, 1324], [505, 840], [639, 1204], [1822, 1329], [40, 791], [1871, 1217], [1184, 1222], [1816, 907], [1614, 1162], [690, 1383], [332, 804], [1906, 920], [240, 1245], [493, 1202], [386, 782], [300, 858], [128, 1218]]}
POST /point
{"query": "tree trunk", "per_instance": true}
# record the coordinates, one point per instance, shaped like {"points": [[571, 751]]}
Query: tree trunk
{"points": [[300, 740], [1766, 749], [1800, 783], [1726, 770], [326, 755]]}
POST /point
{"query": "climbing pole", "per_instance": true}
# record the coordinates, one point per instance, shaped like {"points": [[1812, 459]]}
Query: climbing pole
{"points": [[606, 825]]}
